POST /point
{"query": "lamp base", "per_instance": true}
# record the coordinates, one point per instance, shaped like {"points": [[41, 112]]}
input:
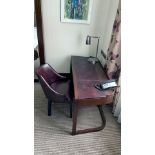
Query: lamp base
{"points": [[93, 60]]}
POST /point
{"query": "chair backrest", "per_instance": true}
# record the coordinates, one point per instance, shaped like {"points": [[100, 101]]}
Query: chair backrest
{"points": [[47, 75]]}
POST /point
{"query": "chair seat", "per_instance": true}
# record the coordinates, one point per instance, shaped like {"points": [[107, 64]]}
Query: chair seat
{"points": [[63, 87]]}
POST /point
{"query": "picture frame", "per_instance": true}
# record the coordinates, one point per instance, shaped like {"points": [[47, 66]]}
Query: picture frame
{"points": [[76, 11]]}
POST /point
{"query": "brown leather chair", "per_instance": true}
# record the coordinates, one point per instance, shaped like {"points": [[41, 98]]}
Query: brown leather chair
{"points": [[56, 88]]}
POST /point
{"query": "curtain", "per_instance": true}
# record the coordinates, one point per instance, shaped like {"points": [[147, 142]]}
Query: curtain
{"points": [[113, 62], [117, 102]]}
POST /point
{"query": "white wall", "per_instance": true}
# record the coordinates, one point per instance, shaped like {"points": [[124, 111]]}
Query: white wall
{"points": [[65, 39]]}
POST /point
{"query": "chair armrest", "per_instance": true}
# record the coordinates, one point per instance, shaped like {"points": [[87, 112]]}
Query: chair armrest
{"points": [[58, 75], [62, 77]]}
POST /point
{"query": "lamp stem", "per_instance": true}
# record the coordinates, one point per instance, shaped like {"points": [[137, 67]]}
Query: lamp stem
{"points": [[97, 47]]}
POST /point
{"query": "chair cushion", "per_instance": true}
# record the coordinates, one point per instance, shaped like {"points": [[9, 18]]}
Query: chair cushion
{"points": [[63, 87]]}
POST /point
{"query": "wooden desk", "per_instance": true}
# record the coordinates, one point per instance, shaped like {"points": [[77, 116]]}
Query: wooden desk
{"points": [[85, 76]]}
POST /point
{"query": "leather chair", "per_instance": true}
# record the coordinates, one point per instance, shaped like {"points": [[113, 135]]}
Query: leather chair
{"points": [[56, 88]]}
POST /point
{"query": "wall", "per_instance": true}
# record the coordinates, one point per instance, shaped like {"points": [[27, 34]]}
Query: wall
{"points": [[110, 13], [65, 39]]}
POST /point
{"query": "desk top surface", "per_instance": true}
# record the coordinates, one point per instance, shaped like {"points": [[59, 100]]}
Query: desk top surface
{"points": [[85, 76]]}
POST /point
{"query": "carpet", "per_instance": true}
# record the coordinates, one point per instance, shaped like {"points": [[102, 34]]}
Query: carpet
{"points": [[52, 133]]}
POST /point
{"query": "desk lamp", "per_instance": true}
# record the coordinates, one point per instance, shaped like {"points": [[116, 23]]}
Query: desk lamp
{"points": [[93, 60]]}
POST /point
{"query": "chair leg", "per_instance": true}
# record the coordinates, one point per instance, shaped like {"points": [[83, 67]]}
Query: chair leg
{"points": [[70, 106], [49, 107]]}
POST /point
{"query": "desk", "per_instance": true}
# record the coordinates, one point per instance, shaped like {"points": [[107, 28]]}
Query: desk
{"points": [[85, 76]]}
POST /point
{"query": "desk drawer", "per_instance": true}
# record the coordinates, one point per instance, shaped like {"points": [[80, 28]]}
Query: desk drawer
{"points": [[96, 101]]}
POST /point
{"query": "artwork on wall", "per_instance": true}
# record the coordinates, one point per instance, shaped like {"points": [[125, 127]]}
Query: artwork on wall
{"points": [[76, 11]]}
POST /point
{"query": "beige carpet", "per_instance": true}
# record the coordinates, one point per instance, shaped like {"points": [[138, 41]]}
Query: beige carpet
{"points": [[52, 134]]}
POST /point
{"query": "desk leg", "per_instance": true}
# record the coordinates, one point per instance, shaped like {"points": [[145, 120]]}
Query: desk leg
{"points": [[74, 131], [102, 116], [75, 113]]}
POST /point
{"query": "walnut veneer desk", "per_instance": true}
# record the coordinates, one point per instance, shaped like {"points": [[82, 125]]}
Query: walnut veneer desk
{"points": [[85, 76]]}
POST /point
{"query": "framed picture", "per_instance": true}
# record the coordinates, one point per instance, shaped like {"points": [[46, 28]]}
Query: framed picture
{"points": [[76, 11]]}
